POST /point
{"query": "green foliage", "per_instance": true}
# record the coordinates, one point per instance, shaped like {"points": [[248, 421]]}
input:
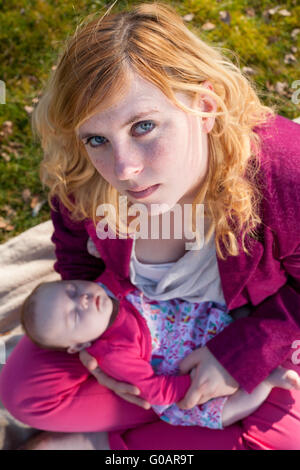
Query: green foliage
{"points": [[33, 32]]}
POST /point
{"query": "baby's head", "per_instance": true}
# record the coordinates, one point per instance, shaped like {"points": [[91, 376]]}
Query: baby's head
{"points": [[67, 315]]}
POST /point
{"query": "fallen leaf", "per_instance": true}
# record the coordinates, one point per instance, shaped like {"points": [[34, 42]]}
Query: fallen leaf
{"points": [[188, 17], [7, 128], [28, 109], [284, 12], [9, 228], [5, 156], [33, 79], [270, 86], [250, 12], [12, 150], [225, 17], [208, 26], [295, 32], [280, 88], [272, 39], [26, 194], [3, 223], [268, 13], [6, 225], [15, 145], [289, 59], [272, 11], [9, 210]]}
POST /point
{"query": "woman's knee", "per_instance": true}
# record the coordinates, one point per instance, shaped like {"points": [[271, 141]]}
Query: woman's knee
{"points": [[276, 423], [33, 380]]}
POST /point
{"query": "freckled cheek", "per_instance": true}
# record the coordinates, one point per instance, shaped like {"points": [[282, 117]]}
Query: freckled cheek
{"points": [[159, 156], [102, 165]]}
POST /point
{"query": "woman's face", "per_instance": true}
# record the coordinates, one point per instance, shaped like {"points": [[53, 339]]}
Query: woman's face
{"points": [[165, 146]]}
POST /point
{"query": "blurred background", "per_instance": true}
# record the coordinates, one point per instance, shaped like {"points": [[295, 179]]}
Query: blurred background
{"points": [[264, 37]]}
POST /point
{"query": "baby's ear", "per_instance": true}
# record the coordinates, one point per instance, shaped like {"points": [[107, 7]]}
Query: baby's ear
{"points": [[78, 347]]}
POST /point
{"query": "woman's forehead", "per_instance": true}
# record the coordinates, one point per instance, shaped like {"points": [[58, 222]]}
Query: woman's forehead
{"points": [[141, 99], [140, 93]]}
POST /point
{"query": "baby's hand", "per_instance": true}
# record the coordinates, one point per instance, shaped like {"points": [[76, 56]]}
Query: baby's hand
{"points": [[209, 379], [124, 390]]}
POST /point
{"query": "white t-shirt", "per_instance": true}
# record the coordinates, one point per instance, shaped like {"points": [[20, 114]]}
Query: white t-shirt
{"points": [[194, 277]]}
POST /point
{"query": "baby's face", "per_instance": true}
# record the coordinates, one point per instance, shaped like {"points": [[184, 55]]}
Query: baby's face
{"points": [[72, 313]]}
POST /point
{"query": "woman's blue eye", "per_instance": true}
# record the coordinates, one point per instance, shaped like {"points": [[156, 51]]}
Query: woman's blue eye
{"points": [[94, 137], [145, 123], [98, 138]]}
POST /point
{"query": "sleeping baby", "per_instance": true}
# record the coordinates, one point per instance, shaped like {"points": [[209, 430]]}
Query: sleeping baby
{"points": [[133, 339]]}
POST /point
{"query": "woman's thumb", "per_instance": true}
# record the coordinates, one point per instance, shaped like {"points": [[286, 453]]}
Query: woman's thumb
{"points": [[87, 360], [188, 362]]}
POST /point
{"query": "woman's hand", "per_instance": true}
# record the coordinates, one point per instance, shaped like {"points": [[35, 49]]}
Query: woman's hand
{"points": [[209, 379], [126, 391]]}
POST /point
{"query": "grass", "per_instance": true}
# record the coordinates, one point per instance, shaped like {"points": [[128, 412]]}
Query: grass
{"points": [[32, 34]]}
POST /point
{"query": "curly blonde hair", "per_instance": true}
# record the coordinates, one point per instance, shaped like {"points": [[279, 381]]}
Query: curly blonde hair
{"points": [[92, 73]]}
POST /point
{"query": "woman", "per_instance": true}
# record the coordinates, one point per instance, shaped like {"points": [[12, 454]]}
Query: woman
{"points": [[137, 100]]}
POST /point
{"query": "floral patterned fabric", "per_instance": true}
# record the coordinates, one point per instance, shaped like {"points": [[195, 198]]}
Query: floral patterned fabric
{"points": [[178, 327]]}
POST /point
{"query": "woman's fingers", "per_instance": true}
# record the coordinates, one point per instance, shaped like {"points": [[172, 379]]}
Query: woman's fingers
{"points": [[124, 390], [135, 400], [195, 392], [190, 400], [190, 361], [121, 388]]}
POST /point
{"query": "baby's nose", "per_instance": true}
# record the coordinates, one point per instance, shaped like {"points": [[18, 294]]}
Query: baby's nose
{"points": [[84, 301]]}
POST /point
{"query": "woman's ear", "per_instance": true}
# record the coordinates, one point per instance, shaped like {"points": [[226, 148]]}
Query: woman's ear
{"points": [[78, 347], [207, 104]]}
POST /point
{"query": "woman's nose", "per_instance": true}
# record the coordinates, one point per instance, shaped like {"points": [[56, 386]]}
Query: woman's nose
{"points": [[128, 163]]}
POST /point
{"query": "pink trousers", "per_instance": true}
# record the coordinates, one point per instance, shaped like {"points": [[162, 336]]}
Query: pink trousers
{"points": [[52, 391]]}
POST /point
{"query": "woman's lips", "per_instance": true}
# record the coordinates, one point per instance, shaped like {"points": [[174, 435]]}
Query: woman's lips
{"points": [[144, 193]]}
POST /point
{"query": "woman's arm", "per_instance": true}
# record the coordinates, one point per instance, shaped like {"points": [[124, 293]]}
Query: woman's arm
{"points": [[262, 341], [250, 348], [70, 239]]}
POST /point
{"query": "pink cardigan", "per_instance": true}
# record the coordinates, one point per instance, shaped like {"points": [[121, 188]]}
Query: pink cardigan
{"points": [[268, 280]]}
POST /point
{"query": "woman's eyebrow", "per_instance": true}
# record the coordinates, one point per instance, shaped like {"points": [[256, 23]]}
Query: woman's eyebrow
{"points": [[130, 120]]}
